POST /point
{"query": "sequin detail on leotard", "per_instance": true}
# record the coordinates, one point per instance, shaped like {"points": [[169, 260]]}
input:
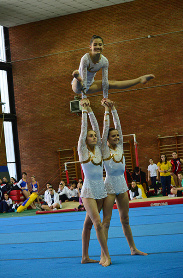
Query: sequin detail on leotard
{"points": [[93, 186], [114, 160]]}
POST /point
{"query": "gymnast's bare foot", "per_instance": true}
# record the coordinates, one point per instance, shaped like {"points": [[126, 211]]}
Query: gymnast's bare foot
{"points": [[102, 260], [138, 252], [77, 75], [107, 262], [88, 260], [145, 78]]}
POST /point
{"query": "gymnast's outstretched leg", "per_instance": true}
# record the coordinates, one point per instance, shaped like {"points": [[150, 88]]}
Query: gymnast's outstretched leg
{"points": [[96, 86]]}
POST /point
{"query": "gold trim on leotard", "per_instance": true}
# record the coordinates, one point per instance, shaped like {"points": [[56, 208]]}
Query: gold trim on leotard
{"points": [[112, 156], [90, 158]]}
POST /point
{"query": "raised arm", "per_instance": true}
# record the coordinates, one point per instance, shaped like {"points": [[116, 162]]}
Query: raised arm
{"points": [[117, 124], [94, 125], [105, 82], [82, 148], [106, 124]]}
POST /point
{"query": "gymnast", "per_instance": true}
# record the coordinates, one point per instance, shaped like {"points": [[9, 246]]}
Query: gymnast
{"points": [[90, 64], [115, 183], [177, 191], [93, 191]]}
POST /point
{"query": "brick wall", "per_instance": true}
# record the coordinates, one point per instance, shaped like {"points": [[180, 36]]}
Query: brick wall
{"points": [[45, 53]]}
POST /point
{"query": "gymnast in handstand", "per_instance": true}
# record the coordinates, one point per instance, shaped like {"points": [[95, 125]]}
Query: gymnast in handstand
{"points": [[93, 190], [115, 183], [90, 64]]}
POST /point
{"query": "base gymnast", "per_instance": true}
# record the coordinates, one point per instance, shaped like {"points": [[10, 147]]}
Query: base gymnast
{"points": [[115, 183], [93, 191], [90, 64]]}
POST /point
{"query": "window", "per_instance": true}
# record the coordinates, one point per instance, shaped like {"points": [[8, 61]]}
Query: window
{"points": [[9, 119]]}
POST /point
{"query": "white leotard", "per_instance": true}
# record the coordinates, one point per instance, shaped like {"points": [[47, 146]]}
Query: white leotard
{"points": [[92, 165], [114, 160], [88, 70]]}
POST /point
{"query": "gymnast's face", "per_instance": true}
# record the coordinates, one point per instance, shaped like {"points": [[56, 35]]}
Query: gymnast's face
{"points": [[91, 138], [97, 46], [174, 155], [113, 137]]}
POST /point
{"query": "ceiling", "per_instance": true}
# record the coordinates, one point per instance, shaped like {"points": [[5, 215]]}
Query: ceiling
{"points": [[18, 12]]}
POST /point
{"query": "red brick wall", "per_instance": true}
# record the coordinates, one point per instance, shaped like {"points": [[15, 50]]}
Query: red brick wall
{"points": [[45, 53]]}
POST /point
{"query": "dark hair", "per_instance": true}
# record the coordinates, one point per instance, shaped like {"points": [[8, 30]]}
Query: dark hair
{"points": [[48, 184], [95, 37], [110, 129], [13, 179], [74, 182], [24, 173], [137, 169], [165, 159], [181, 172]]}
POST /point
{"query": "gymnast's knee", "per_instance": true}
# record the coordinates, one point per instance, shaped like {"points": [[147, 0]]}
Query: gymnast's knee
{"points": [[106, 224], [125, 220], [88, 225], [98, 226]]}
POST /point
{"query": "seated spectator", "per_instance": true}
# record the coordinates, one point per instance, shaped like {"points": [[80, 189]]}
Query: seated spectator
{"points": [[7, 204], [140, 177], [63, 191], [177, 191], [52, 200], [47, 190], [23, 185], [153, 175], [35, 188], [136, 191], [5, 185], [73, 193], [14, 184], [81, 205]]}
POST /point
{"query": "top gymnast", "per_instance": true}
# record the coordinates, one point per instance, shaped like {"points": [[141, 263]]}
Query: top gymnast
{"points": [[93, 191], [115, 183], [90, 64]]}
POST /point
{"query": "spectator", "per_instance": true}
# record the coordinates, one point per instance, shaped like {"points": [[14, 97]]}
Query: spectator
{"points": [[63, 191], [35, 187], [140, 177], [177, 191], [6, 186], [81, 205], [14, 184], [7, 204], [52, 200], [135, 191], [23, 185], [176, 167], [73, 193], [153, 175], [164, 168], [47, 191]]}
